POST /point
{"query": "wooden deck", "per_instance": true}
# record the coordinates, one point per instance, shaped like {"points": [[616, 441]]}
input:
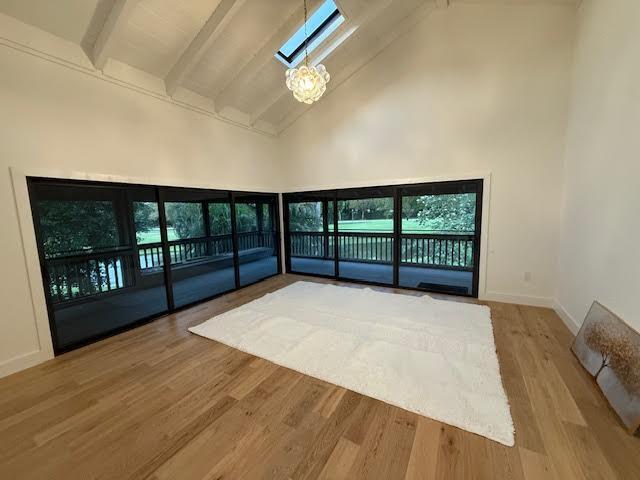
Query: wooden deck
{"points": [[158, 402]]}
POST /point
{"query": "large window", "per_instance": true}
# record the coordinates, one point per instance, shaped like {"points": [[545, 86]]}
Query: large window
{"points": [[423, 236], [114, 255]]}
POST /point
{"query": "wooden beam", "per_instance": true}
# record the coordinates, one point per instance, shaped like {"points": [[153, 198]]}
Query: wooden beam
{"points": [[255, 64], [220, 17], [115, 22]]}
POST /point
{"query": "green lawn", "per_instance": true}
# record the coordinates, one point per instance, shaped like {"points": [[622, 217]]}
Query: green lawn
{"points": [[153, 235], [410, 225]]}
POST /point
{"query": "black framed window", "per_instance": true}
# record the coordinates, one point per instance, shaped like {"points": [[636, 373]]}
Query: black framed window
{"points": [[310, 242], [200, 243], [424, 236], [324, 21], [258, 238], [366, 234], [116, 255]]}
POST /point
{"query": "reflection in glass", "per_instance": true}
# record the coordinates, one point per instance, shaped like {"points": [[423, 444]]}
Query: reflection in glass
{"points": [[257, 238], [201, 250], [98, 278]]}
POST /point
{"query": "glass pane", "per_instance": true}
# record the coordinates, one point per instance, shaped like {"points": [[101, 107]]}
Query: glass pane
{"points": [[75, 226], [311, 247], [99, 280], [147, 223], [305, 217], [201, 261], [257, 238], [327, 12], [365, 239], [220, 218], [449, 213], [246, 217], [184, 220], [437, 249]]}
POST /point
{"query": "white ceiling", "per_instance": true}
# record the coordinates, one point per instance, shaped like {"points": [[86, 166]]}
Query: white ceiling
{"points": [[224, 49]]}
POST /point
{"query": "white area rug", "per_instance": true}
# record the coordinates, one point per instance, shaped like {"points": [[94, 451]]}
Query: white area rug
{"points": [[433, 357]]}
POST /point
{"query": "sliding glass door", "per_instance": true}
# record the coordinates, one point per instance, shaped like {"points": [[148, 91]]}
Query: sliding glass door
{"points": [[440, 236], [115, 255], [424, 236], [100, 258], [200, 246], [310, 243], [366, 234], [258, 239]]}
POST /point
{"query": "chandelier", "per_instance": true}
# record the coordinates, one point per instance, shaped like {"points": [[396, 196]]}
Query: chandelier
{"points": [[307, 83]]}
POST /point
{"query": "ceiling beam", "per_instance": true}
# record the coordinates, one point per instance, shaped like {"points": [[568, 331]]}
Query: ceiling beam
{"points": [[249, 70], [220, 17], [115, 22]]}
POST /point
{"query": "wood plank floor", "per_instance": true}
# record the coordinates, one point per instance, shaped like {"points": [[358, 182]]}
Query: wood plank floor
{"points": [[160, 403]]}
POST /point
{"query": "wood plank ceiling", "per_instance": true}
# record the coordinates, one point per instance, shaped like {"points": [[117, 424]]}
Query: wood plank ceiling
{"points": [[222, 50]]}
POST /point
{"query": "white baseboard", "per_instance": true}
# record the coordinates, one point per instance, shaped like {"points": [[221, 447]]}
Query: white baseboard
{"points": [[22, 362], [529, 300], [569, 321]]}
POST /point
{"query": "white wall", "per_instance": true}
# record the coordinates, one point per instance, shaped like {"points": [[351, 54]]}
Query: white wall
{"points": [[599, 255], [56, 121], [473, 89]]}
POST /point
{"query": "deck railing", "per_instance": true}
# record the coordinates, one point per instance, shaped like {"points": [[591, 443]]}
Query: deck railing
{"points": [[452, 252], [187, 250], [445, 251], [78, 276]]}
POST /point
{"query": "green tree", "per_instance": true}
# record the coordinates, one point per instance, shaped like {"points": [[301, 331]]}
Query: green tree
{"points": [[246, 217], [186, 219], [74, 226], [448, 213], [145, 218], [220, 218], [305, 217]]}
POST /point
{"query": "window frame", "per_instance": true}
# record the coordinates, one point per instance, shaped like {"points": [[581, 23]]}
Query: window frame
{"points": [[288, 59]]}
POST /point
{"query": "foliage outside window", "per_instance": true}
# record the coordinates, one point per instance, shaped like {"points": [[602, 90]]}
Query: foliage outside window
{"points": [[305, 217], [246, 217], [369, 215], [220, 218], [73, 226], [450, 213], [185, 218]]}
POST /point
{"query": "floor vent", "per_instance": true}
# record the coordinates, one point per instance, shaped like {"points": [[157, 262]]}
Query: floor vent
{"points": [[435, 287]]}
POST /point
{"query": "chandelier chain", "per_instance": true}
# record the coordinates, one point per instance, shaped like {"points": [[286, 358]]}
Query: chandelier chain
{"points": [[307, 83], [306, 36]]}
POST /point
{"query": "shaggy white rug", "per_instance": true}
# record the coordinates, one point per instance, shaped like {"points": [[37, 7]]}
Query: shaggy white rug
{"points": [[433, 357]]}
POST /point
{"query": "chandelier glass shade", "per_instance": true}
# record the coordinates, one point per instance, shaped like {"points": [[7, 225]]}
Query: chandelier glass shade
{"points": [[308, 83]]}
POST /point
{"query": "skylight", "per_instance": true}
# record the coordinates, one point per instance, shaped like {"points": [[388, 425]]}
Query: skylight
{"points": [[320, 25]]}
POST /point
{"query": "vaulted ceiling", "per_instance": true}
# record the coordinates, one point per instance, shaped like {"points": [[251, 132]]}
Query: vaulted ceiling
{"points": [[220, 51]]}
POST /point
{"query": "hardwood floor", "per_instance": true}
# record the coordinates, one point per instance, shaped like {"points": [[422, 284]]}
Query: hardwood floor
{"points": [[161, 403]]}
